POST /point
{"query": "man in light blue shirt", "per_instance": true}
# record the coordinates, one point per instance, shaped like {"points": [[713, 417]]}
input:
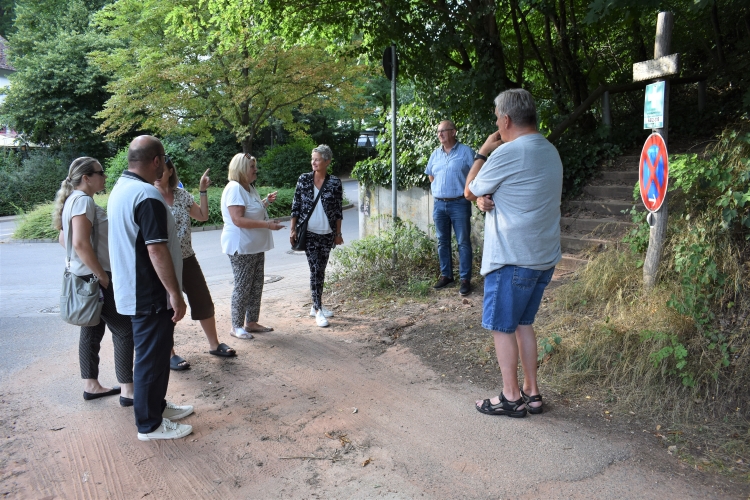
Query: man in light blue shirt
{"points": [[447, 169], [517, 180]]}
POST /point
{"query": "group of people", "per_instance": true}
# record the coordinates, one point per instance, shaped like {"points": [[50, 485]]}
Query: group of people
{"points": [[140, 251]]}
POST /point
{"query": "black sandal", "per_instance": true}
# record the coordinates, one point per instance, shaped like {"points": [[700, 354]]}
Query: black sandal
{"points": [[532, 399], [504, 407]]}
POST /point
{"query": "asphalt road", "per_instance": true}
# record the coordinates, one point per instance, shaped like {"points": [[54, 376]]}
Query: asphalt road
{"points": [[31, 274]]}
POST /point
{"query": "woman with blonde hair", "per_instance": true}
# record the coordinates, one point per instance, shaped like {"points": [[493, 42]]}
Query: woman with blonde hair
{"points": [[183, 207], [75, 211], [245, 239]]}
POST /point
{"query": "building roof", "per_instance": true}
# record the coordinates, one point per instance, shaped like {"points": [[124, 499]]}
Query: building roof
{"points": [[4, 64]]}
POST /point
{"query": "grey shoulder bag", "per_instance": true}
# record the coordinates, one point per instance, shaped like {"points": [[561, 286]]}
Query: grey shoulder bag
{"points": [[80, 302]]}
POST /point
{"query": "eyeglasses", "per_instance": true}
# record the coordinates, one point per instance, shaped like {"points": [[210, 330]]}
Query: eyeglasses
{"points": [[167, 158], [98, 172], [445, 130]]}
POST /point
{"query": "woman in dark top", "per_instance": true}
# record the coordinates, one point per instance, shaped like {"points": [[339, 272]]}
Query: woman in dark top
{"points": [[324, 223]]}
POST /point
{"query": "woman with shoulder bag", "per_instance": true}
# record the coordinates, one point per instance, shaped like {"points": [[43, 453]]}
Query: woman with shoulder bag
{"points": [[318, 203], [75, 211], [246, 238]]}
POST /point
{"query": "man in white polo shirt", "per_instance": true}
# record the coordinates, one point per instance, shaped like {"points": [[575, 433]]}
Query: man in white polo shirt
{"points": [[146, 269]]}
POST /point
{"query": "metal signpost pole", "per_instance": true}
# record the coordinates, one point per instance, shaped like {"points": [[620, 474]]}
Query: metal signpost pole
{"points": [[393, 132]]}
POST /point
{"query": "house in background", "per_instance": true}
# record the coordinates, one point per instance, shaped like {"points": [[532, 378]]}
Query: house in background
{"points": [[7, 135]]}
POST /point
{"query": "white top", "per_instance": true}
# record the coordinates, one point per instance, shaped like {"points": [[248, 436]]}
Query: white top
{"points": [[240, 240], [318, 222], [524, 177], [79, 203]]}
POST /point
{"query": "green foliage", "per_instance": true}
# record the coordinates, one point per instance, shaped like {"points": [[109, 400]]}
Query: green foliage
{"points": [[26, 182], [283, 164], [114, 167], [547, 346], [190, 66], [369, 262], [55, 93], [672, 357], [416, 124], [581, 153]]}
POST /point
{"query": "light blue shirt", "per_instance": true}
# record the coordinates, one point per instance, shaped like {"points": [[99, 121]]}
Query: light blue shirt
{"points": [[524, 177], [450, 170]]}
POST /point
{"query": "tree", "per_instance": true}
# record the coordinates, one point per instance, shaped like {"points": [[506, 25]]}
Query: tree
{"points": [[55, 92], [182, 69]]}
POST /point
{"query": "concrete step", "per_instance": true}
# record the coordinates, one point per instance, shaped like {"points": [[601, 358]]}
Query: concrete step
{"points": [[613, 208], [572, 243], [601, 227], [627, 162], [610, 192], [567, 266], [629, 177]]}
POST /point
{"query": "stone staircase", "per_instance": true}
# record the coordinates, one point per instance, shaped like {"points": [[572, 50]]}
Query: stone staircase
{"points": [[594, 220]]}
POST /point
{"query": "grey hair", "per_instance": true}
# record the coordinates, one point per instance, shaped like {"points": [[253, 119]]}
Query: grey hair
{"points": [[324, 151], [80, 167], [518, 105]]}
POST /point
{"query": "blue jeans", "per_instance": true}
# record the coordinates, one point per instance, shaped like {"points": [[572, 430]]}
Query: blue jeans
{"points": [[456, 213], [153, 336], [512, 295]]}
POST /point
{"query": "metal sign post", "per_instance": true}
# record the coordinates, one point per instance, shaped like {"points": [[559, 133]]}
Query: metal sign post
{"points": [[390, 66], [657, 106]]}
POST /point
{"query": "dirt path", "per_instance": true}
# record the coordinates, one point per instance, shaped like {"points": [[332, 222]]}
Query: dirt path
{"points": [[306, 412]]}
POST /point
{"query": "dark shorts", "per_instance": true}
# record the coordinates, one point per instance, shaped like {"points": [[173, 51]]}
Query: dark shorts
{"points": [[512, 295], [194, 286]]}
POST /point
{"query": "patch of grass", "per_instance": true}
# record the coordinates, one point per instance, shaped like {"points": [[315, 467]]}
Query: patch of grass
{"points": [[37, 224]]}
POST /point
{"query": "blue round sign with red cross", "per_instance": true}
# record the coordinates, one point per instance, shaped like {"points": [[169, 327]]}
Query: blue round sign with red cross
{"points": [[654, 172]]}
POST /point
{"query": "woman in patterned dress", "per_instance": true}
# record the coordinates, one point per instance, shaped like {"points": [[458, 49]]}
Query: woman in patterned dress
{"points": [[324, 223], [183, 207]]}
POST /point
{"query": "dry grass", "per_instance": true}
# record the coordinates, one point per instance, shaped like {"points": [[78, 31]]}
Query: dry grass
{"points": [[603, 315]]}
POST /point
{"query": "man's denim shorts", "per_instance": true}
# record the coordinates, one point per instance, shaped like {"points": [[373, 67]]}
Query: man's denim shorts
{"points": [[512, 295]]}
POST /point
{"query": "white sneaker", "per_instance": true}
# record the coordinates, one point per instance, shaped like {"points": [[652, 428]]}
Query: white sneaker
{"points": [[326, 312], [320, 319], [174, 412], [167, 430]]}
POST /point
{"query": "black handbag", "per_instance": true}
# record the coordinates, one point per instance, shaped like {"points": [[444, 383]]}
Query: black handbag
{"points": [[301, 230]]}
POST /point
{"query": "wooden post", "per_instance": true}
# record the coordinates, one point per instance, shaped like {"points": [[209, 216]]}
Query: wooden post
{"points": [[658, 231]]}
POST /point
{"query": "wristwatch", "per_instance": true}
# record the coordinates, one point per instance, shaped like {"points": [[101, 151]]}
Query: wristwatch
{"points": [[478, 156]]}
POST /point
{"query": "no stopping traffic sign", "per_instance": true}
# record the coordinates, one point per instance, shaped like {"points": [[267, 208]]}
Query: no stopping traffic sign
{"points": [[654, 172]]}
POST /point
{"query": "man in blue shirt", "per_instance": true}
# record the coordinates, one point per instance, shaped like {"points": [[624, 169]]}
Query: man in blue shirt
{"points": [[447, 169]]}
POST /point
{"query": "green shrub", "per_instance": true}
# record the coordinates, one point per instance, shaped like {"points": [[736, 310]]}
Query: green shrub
{"points": [[282, 165], [26, 182], [37, 223], [368, 263]]}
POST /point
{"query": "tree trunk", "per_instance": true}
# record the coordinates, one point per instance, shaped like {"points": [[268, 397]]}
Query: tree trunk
{"points": [[717, 33]]}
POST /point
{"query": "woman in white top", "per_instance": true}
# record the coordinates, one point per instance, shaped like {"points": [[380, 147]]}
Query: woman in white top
{"points": [[76, 211], [245, 239], [183, 207]]}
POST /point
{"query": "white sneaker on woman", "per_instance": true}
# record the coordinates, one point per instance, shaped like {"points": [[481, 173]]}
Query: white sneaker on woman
{"points": [[320, 319], [326, 312]]}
